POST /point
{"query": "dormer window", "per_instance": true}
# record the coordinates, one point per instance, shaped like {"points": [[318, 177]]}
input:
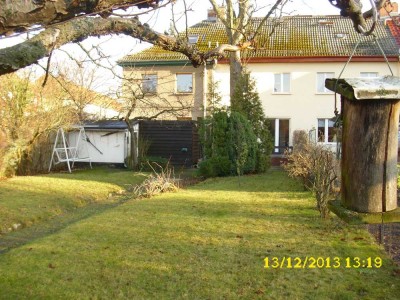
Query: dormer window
{"points": [[341, 36], [193, 39]]}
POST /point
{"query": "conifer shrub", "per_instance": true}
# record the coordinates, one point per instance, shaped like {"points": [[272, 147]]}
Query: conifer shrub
{"points": [[215, 166], [153, 163], [246, 101], [229, 145]]}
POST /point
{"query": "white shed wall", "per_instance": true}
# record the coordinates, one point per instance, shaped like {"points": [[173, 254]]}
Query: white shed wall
{"points": [[112, 144]]}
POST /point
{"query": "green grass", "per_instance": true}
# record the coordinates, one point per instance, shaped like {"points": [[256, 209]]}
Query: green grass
{"points": [[27, 200], [206, 242]]}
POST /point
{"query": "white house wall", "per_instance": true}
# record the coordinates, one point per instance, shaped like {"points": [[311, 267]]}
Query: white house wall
{"points": [[303, 106]]}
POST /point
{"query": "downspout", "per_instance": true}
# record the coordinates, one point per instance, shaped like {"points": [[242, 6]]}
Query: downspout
{"points": [[205, 88]]}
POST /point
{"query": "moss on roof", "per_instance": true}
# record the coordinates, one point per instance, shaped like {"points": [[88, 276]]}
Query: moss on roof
{"points": [[293, 36]]}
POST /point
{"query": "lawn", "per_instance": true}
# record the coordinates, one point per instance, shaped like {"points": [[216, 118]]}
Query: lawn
{"points": [[27, 200], [208, 241]]}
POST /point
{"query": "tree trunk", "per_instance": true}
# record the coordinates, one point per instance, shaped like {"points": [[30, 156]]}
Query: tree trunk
{"points": [[369, 154], [235, 71], [132, 159]]}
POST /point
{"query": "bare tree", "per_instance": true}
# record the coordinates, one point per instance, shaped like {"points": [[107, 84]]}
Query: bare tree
{"points": [[63, 21], [76, 85], [241, 33], [317, 167]]}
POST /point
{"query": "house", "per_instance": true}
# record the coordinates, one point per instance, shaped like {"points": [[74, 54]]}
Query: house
{"points": [[290, 67]]}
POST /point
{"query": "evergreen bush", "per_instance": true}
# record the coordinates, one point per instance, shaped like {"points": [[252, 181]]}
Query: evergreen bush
{"points": [[230, 145], [153, 163], [247, 102], [215, 166]]}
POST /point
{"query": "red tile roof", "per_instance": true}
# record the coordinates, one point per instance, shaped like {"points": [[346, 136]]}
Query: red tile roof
{"points": [[394, 27]]}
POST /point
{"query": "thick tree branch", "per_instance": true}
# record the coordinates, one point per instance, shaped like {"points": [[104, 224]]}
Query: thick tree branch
{"points": [[219, 52], [353, 10], [30, 51], [19, 15]]}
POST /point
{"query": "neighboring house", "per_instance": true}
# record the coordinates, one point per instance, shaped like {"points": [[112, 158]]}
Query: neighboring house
{"points": [[290, 67]]}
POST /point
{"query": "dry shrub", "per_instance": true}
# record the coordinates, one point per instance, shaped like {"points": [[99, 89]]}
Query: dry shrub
{"points": [[157, 183], [316, 166]]}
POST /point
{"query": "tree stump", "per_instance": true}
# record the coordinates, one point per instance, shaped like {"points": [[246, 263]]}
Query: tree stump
{"points": [[370, 115]]}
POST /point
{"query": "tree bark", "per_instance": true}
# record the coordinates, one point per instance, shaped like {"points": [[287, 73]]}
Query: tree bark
{"points": [[369, 154], [235, 70], [353, 10], [30, 51], [19, 15]]}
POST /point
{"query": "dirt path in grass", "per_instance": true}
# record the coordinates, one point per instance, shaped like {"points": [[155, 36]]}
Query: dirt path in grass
{"points": [[389, 236], [21, 237]]}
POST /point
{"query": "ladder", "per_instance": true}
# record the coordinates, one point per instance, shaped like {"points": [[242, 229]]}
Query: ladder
{"points": [[62, 152]]}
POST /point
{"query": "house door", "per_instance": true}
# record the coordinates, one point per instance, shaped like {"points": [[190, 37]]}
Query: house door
{"points": [[280, 131]]}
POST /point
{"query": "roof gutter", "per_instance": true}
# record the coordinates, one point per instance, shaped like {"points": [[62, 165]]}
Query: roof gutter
{"points": [[150, 63], [315, 59]]}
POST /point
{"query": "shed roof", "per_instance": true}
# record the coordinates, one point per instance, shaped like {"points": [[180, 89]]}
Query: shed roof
{"points": [[105, 125], [287, 37]]}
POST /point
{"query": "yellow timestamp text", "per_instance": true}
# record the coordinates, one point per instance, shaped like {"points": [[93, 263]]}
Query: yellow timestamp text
{"points": [[311, 262]]}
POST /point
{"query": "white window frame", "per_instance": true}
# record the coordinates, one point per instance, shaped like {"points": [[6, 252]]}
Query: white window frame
{"points": [[326, 132], [369, 74], [283, 89], [193, 39], [151, 78], [323, 76], [188, 91]]}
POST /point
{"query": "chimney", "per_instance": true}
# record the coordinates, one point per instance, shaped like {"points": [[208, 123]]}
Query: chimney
{"points": [[389, 9], [212, 15]]}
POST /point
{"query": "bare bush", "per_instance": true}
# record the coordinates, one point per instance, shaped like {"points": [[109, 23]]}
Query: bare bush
{"points": [[157, 183], [317, 167]]}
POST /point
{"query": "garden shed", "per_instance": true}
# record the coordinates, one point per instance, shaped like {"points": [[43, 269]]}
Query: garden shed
{"points": [[106, 141]]}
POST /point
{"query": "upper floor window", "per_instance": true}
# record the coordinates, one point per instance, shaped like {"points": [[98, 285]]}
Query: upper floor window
{"points": [[282, 83], [149, 83], [368, 74], [327, 132], [321, 76], [184, 83]]}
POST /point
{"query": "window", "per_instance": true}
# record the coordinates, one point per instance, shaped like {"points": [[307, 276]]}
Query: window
{"points": [[184, 83], [368, 74], [341, 36], [327, 133], [149, 83], [193, 39], [280, 131], [321, 82], [282, 83]]}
